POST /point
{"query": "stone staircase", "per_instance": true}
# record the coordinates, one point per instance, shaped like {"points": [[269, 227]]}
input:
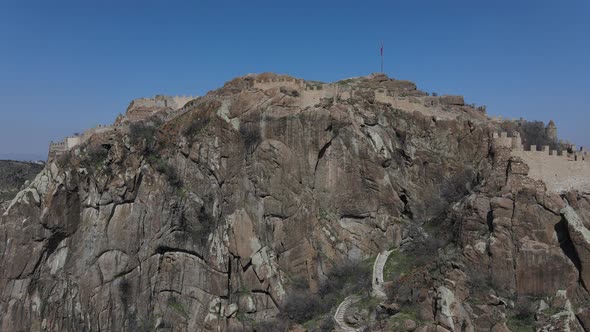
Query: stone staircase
{"points": [[377, 291], [339, 315], [377, 281]]}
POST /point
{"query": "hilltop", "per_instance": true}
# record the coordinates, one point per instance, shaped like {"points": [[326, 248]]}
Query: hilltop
{"points": [[275, 202]]}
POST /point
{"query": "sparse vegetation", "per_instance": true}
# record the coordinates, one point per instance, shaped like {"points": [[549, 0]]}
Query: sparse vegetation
{"points": [[427, 251], [397, 265], [140, 132], [345, 82], [348, 278], [196, 126], [458, 184], [64, 159], [96, 155], [289, 92], [407, 312], [165, 167], [480, 280], [251, 135], [515, 324], [205, 225], [170, 172], [177, 306], [524, 318]]}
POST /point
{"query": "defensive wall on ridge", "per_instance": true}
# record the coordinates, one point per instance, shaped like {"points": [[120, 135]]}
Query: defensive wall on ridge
{"points": [[560, 171], [138, 109], [311, 93], [59, 148]]}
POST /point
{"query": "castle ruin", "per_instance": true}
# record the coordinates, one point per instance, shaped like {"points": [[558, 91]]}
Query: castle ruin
{"points": [[560, 172], [551, 131], [405, 97], [58, 148], [138, 110]]}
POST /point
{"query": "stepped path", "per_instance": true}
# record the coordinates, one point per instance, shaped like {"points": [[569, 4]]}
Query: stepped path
{"points": [[339, 315], [377, 291], [377, 281]]}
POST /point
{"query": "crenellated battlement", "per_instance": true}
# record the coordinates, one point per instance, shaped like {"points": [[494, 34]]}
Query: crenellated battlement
{"points": [[311, 93], [68, 143], [444, 107], [560, 171], [514, 142]]}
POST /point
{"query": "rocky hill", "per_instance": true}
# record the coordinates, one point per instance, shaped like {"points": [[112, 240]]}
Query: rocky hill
{"points": [[13, 175], [265, 204]]}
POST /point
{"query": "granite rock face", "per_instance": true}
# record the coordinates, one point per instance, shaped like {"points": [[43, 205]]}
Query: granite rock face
{"points": [[205, 221]]}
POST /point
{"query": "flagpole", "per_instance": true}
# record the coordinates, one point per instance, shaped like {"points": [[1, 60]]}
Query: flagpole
{"points": [[382, 57]]}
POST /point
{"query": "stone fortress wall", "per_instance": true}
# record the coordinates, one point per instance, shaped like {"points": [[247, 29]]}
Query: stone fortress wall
{"points": [[139, 109], [161, 101], [58, 148], [311, 93], [143, 108], [559, 171]]}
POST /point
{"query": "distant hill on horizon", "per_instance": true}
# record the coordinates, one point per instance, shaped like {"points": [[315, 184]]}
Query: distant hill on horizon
{"points": [[22, 156]]}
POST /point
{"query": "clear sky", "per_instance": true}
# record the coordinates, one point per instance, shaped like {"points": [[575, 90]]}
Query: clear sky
{"points": [[69, 65]]}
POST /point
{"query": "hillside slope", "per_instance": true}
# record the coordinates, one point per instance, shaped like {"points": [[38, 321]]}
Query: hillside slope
{"points": [[13, 175], [261, 204]]}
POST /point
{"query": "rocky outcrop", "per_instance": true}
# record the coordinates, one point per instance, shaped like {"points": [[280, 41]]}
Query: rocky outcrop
{"points": [[208, 220], [579, 235]]}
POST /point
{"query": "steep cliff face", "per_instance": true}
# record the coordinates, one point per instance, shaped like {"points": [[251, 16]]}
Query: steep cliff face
{"points": [[212, 219]]}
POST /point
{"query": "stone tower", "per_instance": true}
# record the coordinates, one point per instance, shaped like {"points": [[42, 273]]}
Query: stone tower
{"points": [[551, 131]]}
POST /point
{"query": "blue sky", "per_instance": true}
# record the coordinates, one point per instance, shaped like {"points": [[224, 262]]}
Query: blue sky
{"points": [[69, 65]]}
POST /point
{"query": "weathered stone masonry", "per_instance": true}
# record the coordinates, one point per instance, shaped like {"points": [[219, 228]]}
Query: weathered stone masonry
{"points": [[560, 172]]}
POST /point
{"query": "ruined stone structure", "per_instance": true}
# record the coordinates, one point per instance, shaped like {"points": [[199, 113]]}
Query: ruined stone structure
{"points": [[142, 108], [403, 96], [551, 131], [138, 110], [560, 171], [58, 148]]}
